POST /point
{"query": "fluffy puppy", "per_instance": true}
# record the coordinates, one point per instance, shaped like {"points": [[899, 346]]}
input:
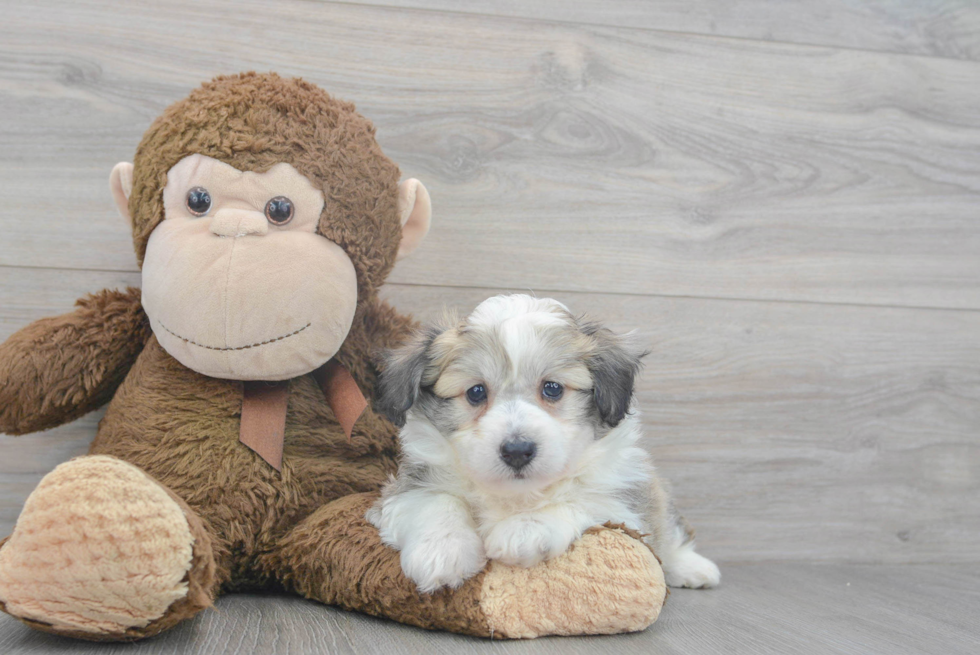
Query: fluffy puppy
{"points": [[518, 434]]}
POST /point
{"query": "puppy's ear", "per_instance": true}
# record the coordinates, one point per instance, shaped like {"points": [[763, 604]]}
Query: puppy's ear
{"points": [[613, 363], [401, 375]]}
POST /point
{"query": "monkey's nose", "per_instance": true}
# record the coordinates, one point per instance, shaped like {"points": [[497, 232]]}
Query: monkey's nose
{"points": [[518, 454], [239, 223]]}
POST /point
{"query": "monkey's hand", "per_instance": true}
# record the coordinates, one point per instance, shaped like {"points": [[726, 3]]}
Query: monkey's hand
{"points": [[58, 369]]}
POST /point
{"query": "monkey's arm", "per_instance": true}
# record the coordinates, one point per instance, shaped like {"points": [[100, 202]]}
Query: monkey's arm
{"points": [[57, 369]]}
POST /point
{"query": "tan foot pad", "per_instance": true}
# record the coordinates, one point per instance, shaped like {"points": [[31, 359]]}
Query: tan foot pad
{"points": [[608, 582], [99, 548]]}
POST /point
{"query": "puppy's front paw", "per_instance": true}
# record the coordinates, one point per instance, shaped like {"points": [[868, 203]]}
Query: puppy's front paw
{"points": [[527, 540], [446, 561], [689, 569]]}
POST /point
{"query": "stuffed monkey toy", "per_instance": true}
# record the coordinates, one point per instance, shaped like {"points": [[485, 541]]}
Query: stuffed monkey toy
{"points": [[239, 450]]}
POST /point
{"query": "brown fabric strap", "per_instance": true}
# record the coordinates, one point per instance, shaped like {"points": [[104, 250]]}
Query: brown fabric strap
{"points": [[264, 404], [264, 419], [342, 394]]}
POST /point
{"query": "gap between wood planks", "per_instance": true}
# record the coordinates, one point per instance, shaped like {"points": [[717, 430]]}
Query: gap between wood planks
{"points": [[550, 292]]}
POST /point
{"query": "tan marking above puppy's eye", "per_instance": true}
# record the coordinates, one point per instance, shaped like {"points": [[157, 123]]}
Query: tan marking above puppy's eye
{"points": [[198, 201], [279, 210]]}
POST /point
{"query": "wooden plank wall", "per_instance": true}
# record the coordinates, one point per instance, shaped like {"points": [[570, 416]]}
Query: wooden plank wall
{"points": [[785, 199], [942, 28]]}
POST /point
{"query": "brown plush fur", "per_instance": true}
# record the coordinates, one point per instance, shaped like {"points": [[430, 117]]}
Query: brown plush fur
{"points": [[60, 368], [336, 556], [254, 528]]}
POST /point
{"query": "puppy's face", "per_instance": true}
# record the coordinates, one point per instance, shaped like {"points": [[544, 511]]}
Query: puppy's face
{"points": [[520, 389]]}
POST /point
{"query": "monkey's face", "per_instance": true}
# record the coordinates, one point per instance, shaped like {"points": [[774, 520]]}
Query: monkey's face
{"points": [[261, 209], [236, 281]]}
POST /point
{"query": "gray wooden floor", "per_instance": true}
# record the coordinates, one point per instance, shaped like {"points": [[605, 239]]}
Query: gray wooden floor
{"points": [[784, 196], [772, 608]]}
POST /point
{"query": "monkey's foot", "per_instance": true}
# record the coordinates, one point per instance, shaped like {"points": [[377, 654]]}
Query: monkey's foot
{"points": [[607, 582], [102, 551]]}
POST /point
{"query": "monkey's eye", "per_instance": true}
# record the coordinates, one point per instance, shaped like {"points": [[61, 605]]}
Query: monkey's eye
{"points": [[279, 210], [552, 390], [476, 394], [198, 201]]}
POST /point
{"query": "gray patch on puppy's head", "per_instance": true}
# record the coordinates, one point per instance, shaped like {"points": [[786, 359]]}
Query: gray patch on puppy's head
{"points": [[613, 362], [401, 375]]}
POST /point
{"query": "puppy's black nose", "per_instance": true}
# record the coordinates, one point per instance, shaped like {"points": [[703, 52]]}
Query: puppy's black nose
{"points": [[518, 454]]}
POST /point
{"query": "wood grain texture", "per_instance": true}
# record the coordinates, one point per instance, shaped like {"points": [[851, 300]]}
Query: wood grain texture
{"points": [[941, 28], [760, 609], [790, 431], [558, 156]]}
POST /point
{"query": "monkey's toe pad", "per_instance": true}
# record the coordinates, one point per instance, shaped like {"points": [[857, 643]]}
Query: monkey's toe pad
{"points": [[100, 549], [607, 582]]}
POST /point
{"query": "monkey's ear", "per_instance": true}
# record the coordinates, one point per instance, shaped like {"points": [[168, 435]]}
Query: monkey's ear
{"points": [[121, 186], [415, 211]]}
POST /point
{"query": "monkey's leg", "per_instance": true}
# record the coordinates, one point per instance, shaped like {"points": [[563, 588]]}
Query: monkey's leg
{"points": [[104, 552], [607, 582]]}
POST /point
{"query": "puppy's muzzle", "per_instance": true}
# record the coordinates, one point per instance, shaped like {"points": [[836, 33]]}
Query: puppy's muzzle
{"points": [[518, 453]]}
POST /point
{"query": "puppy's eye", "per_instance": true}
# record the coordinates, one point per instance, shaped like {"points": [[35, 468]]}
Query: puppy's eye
{"points": [[476, 394], [279, 210], [552, 390], [198, 201]]}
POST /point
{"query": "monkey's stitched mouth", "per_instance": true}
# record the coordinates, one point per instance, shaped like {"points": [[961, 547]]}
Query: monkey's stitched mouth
{"points": [[254, 345]]}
